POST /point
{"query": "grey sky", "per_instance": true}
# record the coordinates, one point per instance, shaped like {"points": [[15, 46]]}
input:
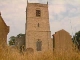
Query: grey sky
{"points": [[61, 13]]}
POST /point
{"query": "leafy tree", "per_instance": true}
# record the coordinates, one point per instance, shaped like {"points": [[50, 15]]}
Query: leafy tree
{"points": [[12, 40], [20, 35], [76, 39]]}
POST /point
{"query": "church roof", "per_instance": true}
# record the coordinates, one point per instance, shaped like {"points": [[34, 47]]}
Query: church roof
{"points": [[60, 31], [1, 20]]}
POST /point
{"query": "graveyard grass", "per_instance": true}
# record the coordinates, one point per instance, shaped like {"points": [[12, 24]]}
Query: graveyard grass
{"points": [[7, 53]]}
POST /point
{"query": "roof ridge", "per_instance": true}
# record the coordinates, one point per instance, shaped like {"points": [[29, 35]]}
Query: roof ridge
{"points": [[2, 19]]}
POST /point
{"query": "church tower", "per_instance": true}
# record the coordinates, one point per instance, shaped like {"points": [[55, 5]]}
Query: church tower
{"points": [[38, 34]]}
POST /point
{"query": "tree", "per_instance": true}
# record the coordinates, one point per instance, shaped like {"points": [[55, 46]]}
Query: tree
{"points": [[20, 35], [12, 40], [76, 39]]}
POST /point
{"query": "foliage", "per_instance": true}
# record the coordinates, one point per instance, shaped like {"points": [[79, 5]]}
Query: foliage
{"points": [[76, 39], [20, 35], [13, 38]]}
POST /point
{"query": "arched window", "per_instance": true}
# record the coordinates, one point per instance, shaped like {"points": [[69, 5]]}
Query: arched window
{"points": [[39, 45]]}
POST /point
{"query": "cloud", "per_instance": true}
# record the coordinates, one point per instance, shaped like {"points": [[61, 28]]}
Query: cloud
{"points": [[69, 11], [68, 24], [57, 8], [73, 2], [13, 13], [55, 26], [66, 17], [61, 12], [33, 1]]}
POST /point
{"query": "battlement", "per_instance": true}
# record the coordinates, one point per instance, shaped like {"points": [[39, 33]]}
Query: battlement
{"points": [[37, 5]]}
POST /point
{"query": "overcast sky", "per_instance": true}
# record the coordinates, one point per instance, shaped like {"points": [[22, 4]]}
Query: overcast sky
{"points": [[63, 14]]}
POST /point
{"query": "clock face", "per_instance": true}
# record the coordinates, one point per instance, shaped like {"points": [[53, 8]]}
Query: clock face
{"points": [[38, 13]]}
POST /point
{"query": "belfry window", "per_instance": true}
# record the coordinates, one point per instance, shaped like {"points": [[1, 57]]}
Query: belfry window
{"points": [[38, 13], [39, 45]]}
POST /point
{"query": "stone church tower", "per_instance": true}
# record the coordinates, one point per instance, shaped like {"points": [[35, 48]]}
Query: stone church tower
{"points": [[38, 34]]}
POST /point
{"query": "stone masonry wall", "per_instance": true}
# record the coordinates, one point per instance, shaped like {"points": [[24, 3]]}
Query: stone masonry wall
{"points": [[62, 41], [33, 32], [4, 30]]}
